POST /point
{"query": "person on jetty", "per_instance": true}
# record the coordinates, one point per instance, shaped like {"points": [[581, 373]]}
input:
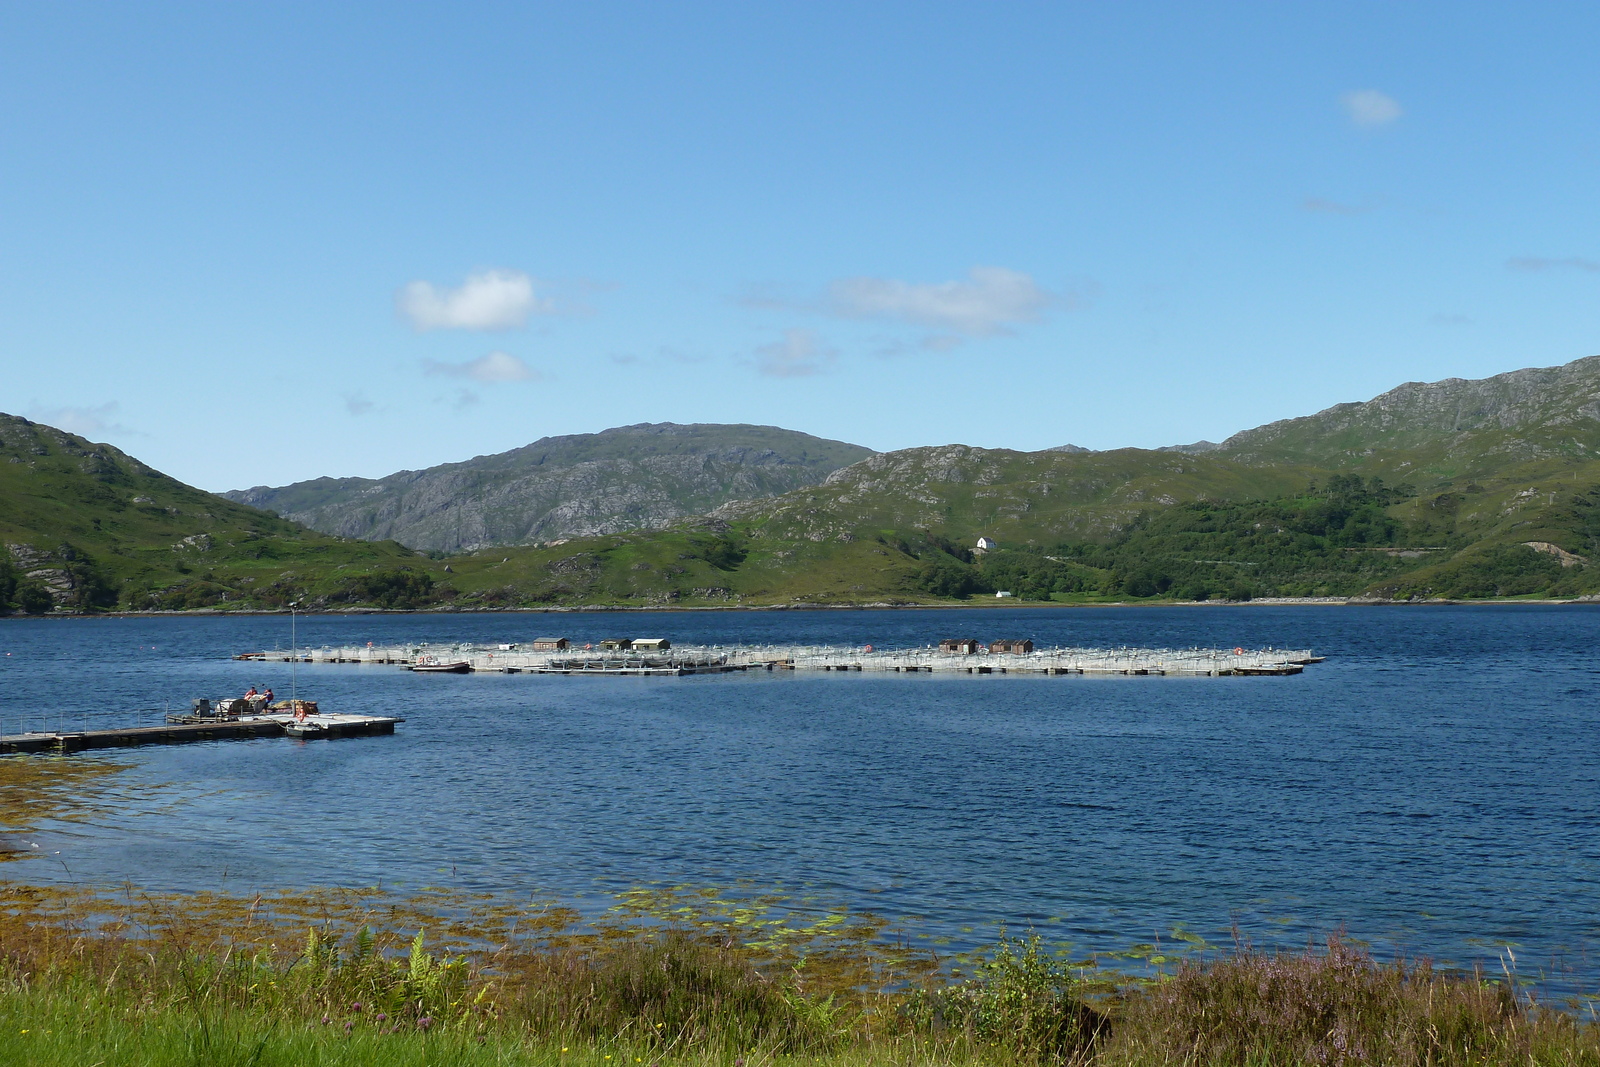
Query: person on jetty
{"points": [[251, 692], [268, 696]]}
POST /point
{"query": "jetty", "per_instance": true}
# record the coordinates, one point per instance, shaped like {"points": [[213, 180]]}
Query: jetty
{"points": [[251, 726], [972, 658]]}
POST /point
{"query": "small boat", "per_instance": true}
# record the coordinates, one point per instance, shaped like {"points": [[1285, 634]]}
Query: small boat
{"points": [[304, 729], [461, 667]]}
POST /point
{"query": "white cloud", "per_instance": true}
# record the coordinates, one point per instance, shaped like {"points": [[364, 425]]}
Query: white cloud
{"points": [[990, 301], [487, 300], [85, 422], [1536, 265], [495, 367], [1369, 107], [798, 355]]}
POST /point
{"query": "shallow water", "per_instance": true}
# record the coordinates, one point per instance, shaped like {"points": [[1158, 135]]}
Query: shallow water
{"points": [[1432, 788]]}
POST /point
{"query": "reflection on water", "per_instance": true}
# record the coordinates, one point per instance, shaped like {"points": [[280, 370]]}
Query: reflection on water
{"points": [[1432, 787]]}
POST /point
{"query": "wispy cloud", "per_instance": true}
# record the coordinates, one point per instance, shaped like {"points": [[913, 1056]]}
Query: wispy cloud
{"points": [[493, 368], [1537, 264], [1333, 207], [85, 422], [665, 354], [1368, 108], [487, 300], [798, 354], [357, 404], [991, 300]]}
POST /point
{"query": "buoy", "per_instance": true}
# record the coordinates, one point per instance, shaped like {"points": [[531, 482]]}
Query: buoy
{"points": [[1238, 652]]}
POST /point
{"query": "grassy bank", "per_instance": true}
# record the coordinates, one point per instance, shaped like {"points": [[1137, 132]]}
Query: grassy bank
{"points": [[687, 977]]}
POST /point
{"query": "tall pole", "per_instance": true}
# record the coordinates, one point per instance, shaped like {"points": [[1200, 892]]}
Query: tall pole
{"points": [[294, 657]]}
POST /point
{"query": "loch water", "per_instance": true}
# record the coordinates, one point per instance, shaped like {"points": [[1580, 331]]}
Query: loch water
{"points": [[1433, 788]]}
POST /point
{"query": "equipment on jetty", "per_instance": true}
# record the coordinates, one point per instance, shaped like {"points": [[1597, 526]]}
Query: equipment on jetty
{"points": [[963, 656]]}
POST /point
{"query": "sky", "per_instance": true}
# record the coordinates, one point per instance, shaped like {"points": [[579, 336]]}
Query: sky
{"points": [[257, 243]]}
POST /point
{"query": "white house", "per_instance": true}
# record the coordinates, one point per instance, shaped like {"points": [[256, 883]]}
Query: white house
{"points": [[986, 543]]}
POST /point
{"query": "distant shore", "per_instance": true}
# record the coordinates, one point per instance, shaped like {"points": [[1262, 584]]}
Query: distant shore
{"points": [[569, 609]]}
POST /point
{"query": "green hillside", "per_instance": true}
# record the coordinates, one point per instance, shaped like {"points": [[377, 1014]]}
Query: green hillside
{"points": [[86, 527], [1343, 536]]}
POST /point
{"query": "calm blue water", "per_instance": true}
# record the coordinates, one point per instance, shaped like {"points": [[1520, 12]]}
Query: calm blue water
{"points": [[1432, 788]]}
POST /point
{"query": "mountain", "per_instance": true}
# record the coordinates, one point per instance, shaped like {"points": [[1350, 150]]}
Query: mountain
{"points": [[1486, 488], [85, 526], [1436, 431], [627, 478], [1453, 488]]}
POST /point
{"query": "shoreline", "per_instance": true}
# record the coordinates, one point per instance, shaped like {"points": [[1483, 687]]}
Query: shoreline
{"points": [[1007, 603]]}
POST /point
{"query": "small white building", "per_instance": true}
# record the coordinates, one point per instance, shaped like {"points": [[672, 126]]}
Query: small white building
{"points": [[986, 543], [1003, 592]]}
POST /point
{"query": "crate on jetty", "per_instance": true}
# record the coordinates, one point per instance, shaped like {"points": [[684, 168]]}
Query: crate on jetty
{"points": [[333, 726], [1020, 659]]}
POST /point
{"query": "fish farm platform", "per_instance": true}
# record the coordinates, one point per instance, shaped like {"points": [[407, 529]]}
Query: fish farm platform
{"points": [[333, 725], [518, 659]]}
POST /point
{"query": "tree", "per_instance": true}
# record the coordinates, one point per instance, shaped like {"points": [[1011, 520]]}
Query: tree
{"points": [[8, 585], [34, 598]]}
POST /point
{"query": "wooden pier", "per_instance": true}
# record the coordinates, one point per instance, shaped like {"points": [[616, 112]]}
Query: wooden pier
{"points": [[520, 659], [333, 726]]}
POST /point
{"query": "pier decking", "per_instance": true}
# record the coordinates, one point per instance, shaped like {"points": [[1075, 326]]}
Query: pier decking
{"points": [[512, 659], [181, 733]]}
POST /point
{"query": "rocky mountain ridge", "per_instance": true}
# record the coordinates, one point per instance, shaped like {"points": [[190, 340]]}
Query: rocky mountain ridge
{"points": [[627, 478], [1456, 425]]}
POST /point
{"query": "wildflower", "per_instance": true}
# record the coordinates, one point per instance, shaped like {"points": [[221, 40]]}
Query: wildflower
{"points": [[380, 1017], [425, 1022], [356, 1006], [326, 1020], [349, 1025]]}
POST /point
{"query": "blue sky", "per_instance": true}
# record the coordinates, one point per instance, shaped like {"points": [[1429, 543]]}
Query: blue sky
{"points": [[257, 243]]}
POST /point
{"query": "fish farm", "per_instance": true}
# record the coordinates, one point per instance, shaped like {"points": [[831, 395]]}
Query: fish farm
{"points": [[658, 657]]}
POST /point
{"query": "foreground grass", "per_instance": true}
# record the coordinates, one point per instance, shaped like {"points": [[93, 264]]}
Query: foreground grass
{"points": [[233, 983]]}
